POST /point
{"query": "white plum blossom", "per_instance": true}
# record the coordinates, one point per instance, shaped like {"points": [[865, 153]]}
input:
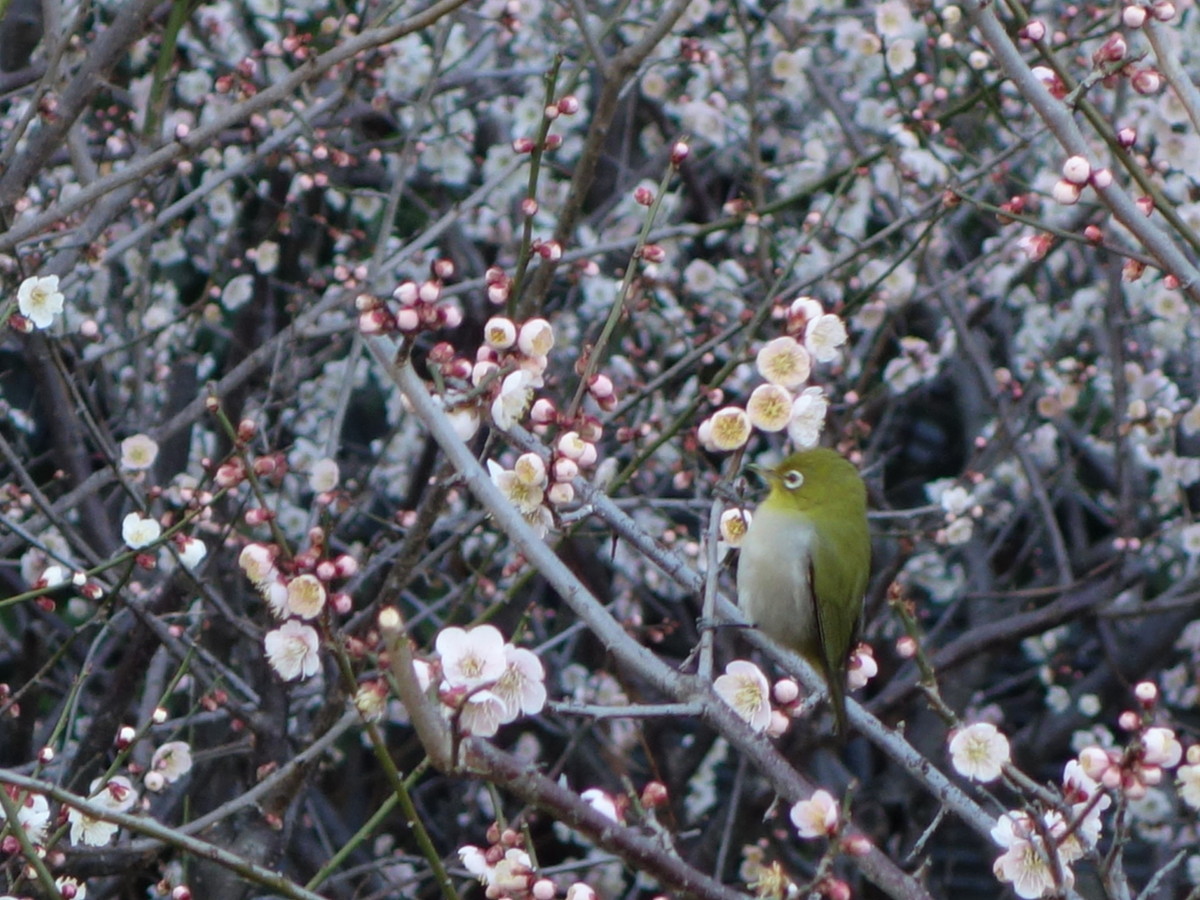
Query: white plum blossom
{"points": [[40, 300], [770, 407], [471, 659], [516, 393], [733, 526], [500, 333], [1187, 782], [824, 336], [33, 813], [139, 531], [482, 714], [237, 292], [191, 552], [522, 686], [138, 452], [1026, 863], [808, 417], [602, 802], [784, 361], [524, 494], [745, 688], [725, 430], [536, 338], [1160, 747], [172, 760], [266, 257], [306, 596], [116, 795], [979, 751], [817, 816], [323, 477], [258, 563], [293, 650]]}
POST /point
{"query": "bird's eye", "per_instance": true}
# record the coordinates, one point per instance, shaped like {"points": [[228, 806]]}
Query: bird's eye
{"points": [[793, 479]]}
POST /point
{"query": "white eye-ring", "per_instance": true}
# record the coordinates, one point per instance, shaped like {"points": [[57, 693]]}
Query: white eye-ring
{"points": [[793, 479]]}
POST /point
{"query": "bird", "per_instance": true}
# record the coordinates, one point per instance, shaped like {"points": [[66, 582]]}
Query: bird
{"points": [[805, 561]]}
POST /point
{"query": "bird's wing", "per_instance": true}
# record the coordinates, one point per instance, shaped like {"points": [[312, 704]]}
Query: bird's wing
{"points": [[836, 603]]}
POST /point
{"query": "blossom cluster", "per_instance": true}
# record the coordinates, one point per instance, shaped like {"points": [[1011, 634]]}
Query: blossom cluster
{"points": [[480, 680], [745, 689], [812, 335], [297, 590]]}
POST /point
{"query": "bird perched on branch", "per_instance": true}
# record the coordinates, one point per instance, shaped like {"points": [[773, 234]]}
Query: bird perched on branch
{"points": [[805, 562]]}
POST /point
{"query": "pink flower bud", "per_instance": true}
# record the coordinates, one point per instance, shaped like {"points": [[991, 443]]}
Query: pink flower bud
{"points": [[326, 570], [1033, 30], [679, 152], [347, 566], [1076, 170], [1146, 81], [600, 386], [523, 145], [786, 691], [125, 736], [857, 845], [442, 268], [375, 321], [906, 647], [654, 253], [565, 469], [1093, 234], [1145, 205], [1065, 192], [342, 603], [1127, 136], [543, 412], [568, 105], [1129, 720], [1133, 16], [654, 795], [1112, 50], [553, 141], [529, 207], [1163, 10], [408, 320], [406, 293], [561, 492], [643, 196], [778, 725], [1146, 693], [429, 291], [1102, 178]]}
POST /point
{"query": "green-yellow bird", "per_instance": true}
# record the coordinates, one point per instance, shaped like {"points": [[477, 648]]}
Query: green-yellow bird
{"points": [[805, 562]]}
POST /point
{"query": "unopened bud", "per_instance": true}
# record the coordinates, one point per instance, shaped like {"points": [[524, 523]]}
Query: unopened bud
{"points": [[125, 736], [1033, 30], [1065, 192], [1133, 16], [1076, 170], [654, 795]]}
